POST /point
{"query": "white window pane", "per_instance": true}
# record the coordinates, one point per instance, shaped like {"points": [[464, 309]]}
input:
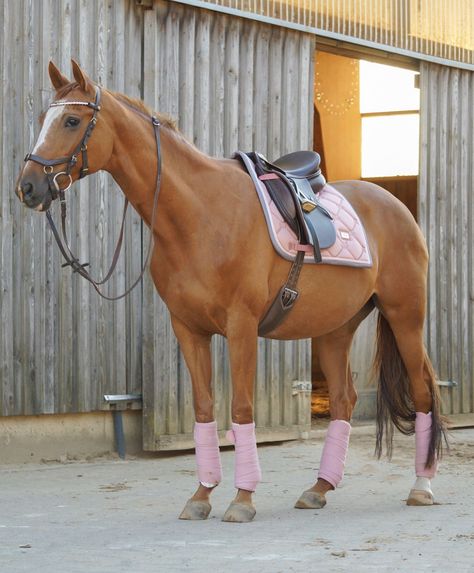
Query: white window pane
{"points": [[385, 88], [390, 145]]}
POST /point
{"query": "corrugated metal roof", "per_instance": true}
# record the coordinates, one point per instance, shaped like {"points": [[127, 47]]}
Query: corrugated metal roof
{"points": [[436, 30]]}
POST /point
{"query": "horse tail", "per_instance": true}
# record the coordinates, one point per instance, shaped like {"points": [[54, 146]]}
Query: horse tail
{"points": [[394, 404]]}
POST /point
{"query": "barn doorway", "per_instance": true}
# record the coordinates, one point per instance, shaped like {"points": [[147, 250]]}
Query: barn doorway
{"points": [[366, 126]]}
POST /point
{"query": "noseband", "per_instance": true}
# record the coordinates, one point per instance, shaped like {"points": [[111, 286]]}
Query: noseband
{"points": [[58, 193]]}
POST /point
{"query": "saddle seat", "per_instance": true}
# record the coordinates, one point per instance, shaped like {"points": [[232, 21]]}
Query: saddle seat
{"points": [[303, 165], [299, 163]]}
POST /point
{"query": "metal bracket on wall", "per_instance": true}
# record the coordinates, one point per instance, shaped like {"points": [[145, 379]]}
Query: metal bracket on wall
{"points": [[117, 403], [301, 386], [447, 383], [123, 401]]}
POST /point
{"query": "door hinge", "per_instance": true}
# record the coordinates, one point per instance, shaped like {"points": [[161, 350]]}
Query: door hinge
{"points": [[301, 386], [447, 383]]}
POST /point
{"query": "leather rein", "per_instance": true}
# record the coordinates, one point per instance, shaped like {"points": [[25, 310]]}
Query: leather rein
{"points": [[58, 193]]}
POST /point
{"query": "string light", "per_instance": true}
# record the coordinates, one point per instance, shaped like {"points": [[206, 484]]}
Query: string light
{"points": [[340, 106]]}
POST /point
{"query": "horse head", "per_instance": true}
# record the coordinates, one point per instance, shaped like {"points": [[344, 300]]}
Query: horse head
{"points": [[63, 148]]}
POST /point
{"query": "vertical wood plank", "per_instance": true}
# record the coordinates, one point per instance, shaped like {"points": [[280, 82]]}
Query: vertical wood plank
{"points": [[446, 209]]}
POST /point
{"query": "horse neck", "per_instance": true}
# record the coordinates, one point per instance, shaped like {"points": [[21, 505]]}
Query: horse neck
{"points": [[184, 169]]}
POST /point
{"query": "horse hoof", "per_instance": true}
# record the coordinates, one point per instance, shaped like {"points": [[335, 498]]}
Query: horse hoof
{"points": [[420, 497], [195, 510], [311, 500], [239, 513]]}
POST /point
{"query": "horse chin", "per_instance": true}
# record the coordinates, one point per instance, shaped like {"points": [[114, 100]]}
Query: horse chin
{"points": [[39, 205]]}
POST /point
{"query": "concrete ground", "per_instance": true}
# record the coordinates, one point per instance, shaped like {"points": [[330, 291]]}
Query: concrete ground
{"points": [[110, 516]]}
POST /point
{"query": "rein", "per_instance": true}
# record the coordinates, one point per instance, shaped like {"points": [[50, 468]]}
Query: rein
{"points": [[58, 193]]}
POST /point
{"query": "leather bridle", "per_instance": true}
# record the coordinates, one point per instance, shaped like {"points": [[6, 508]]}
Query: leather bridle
{"points": [[58, 193]]}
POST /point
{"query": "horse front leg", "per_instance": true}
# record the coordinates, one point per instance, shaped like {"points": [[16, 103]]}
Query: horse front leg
{"points": [[333, 351], [242, 340], [196, 348]]}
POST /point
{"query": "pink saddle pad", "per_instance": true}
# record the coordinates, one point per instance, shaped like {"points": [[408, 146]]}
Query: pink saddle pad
{"points": [[350, 248]]}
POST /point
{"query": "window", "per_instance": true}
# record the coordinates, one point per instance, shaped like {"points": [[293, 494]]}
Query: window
{"points": [[389, 106]]}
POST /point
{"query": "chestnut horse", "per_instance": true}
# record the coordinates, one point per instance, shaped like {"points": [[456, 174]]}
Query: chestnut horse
{"points": [[214, 266]]}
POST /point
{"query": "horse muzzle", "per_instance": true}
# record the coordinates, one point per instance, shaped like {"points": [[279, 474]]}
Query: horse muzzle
{"points": [[37, 197]]}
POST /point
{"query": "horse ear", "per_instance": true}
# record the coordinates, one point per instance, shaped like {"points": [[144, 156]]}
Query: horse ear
{"points": [[80, 76], [56, 77]]}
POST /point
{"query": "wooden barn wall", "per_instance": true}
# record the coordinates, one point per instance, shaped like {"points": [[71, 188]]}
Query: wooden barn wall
{"points": [[433, 28], [232, 84], [61, 347], [446, 212]]}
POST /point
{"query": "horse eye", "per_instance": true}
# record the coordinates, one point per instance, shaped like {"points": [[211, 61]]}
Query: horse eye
{"points": [[72, 122]]}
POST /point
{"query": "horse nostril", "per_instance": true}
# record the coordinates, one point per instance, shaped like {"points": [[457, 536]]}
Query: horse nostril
{"points": [[27, 190]]}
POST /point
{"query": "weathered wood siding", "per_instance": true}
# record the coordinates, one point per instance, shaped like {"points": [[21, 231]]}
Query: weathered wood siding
{"points": [[61, 347], [446, 213], [232, 84]]}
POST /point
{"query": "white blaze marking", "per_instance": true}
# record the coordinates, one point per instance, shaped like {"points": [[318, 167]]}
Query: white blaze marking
{"points": [[52, 114]]}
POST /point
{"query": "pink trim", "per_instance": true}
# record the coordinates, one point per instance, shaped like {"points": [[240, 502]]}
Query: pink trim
{"points": [[334, 453], [423, 424], [247, 467], [268, 176], [208, 457], [300, 247]]}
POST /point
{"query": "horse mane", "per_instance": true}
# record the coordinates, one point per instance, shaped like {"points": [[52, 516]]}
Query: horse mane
{"points": [[139, 105], [134, 103]]}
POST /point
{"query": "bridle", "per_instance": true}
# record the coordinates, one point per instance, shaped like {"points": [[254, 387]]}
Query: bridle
{"points": [[58, 193]]}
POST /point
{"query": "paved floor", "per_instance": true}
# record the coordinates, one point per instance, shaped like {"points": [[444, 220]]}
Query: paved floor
{"points": [[109, 516]]}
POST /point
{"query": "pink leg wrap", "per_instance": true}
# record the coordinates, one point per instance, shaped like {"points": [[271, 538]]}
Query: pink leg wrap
{"points": [[247, 466], [422, 442], [208, 457], [334, 453]]}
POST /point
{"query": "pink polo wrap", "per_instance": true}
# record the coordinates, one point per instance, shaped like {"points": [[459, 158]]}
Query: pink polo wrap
{"points": [[334, 453], [247, 467], [208, 456], [422, 443]]}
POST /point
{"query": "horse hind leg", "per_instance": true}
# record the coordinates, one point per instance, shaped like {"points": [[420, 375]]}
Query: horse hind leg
{"points": [[333, 350], [408, 396]]}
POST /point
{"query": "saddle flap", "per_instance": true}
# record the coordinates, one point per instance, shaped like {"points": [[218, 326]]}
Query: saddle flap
{"points": [[323, 226]]}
